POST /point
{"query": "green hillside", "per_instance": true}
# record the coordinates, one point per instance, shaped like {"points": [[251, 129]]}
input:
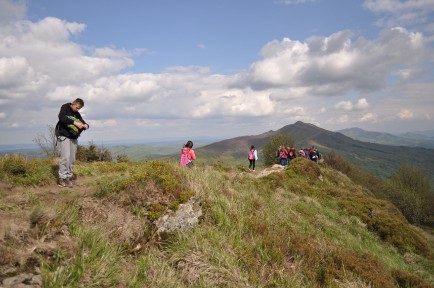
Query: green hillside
{"points": [[304, 226], [407, 139], [379, 160]]}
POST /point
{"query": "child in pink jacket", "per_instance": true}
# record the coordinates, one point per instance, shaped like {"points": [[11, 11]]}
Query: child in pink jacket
{"points": [[187, 155]]}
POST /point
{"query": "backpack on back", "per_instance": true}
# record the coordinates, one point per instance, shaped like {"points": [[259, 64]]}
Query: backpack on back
{"points": [[184, 160], [251, 155]]}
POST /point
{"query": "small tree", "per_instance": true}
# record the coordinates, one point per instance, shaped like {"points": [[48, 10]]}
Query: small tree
{"points": [[336, 161], [48, 143], [122, 158], [272, 146], [93, 153], [409, 190], [81, 153]]}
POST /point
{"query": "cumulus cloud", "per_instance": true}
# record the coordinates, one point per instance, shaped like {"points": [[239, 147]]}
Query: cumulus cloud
{"points": [[343, 119], [399, 13], [361, 104], [345, 105], [394, 6], [405, 114], [12, 11], [368, 117], [337, 64], [44, 47]]}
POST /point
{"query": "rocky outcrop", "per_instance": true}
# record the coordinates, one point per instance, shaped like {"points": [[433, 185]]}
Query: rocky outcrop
{"points": [[22, 281], [183, 219]]}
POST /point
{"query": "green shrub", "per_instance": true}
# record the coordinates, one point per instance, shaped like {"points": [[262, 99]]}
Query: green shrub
{"points": [[15, 165], [337, 162], [16, 169], [304, 168], [404, 279], [269, 149], [409, 190]]}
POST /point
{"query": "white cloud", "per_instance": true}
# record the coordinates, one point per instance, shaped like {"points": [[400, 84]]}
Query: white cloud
{"points": [[395, 6], [368, 117], [401, 13], [343, 119], [405, 114], [345, 105], [2, 115], [12, 10], [47, 50], [335, 65], [362, 103]]}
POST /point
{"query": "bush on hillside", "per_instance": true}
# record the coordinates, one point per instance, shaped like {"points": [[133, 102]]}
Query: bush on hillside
{"points": [[409, 189], [154, 188], [270, 148], [337, 162], [92, 153], [17, 169], [304, 167], [122, 158]]}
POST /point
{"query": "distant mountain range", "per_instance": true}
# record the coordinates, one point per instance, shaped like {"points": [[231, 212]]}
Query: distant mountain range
{"points": [[415, 139], [379, 159]]}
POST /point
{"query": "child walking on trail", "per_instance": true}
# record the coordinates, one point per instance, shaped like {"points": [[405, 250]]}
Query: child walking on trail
{"points": [[253, 156], [187, 155]]}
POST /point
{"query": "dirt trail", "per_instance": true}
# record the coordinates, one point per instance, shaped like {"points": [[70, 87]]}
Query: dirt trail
{"points": [[20, 238]]}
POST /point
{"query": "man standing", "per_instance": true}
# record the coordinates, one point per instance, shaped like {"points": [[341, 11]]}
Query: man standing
{"points": [[68, 129]]}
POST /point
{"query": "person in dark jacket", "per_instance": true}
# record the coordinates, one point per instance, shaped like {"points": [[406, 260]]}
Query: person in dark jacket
{"points": [[68, 129]]}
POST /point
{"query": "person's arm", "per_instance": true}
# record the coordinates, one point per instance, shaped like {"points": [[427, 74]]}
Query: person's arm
{"points": [[256, 154], [192, 155], [84, 125], [63, 117]]}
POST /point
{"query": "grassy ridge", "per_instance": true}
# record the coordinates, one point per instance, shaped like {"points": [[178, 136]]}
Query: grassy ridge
{"points": [[307, 226]]}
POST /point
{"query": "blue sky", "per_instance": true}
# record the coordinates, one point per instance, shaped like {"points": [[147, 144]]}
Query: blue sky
{"points": [[151, 70]]}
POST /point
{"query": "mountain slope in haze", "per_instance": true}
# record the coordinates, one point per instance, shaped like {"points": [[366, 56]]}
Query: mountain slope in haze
{"points": [[380, 160], [407, 139]]}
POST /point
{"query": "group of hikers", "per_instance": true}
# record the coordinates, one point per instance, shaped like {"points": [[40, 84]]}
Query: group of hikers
{"points": [[286, 154]]}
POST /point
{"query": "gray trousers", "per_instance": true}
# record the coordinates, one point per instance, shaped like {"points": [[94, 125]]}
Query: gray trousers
{"points": [[68, 149]]}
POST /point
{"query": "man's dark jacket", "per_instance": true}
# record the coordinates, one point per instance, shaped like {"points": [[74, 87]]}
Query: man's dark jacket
{"points": [[62, 128]]}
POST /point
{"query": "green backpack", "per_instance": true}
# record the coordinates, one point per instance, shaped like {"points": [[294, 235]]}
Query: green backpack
{"points": [[74, 130]]}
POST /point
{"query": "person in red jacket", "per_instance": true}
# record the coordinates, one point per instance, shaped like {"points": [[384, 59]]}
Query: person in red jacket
{"points": [[187, 155], [283, 155]]}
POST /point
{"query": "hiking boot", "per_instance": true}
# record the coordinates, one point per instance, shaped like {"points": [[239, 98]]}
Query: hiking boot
{"points": [[63, 183], [72, 182]]}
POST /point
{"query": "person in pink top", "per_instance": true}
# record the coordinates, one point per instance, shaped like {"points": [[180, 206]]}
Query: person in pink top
{"points": [[187, 155]]}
